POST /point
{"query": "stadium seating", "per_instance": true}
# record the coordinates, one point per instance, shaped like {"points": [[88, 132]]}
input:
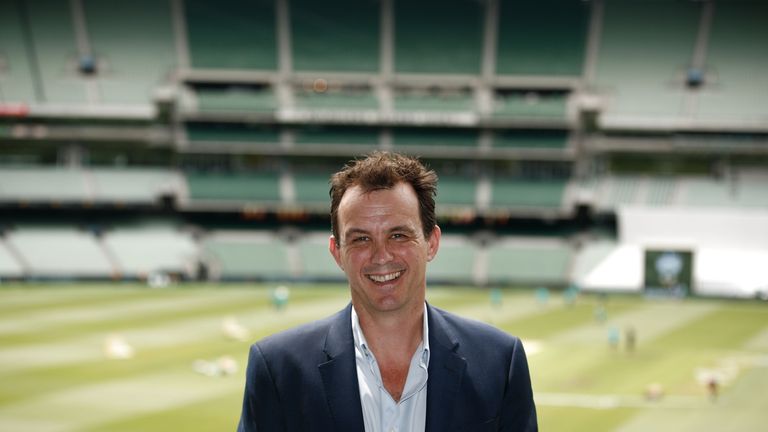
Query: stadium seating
{"points": [[529, 260], [102, 185], [544, 38], [335, 36], [231, 34], [10, 267], [537, 139], [246, 255], [426, 40], [316, 262], [60, 252], [140, 251], [335, 135], [527, 194], [234, 98], [134, 62], [736, 71], [641, 68], [238, 188], [231, 133], [455, 262]]}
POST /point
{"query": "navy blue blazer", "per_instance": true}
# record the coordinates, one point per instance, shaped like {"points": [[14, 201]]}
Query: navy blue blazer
{"points": [[305, 379]]}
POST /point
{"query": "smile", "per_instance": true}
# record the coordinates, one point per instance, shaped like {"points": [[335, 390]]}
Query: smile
{"points": [[385, 277]]}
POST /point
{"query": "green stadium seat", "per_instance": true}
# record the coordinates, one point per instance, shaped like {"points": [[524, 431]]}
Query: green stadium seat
{"points": [[531, 194], [736, 64], [142, 250], [640, 66], [427, 40], [232, 132], [235, 98], [342, 35], [234, 187], [44, 185], [17, 83], [542, 37], [311, 188], [434, 137], [530, 138], [456, 191], [333, 135], [138, 57], [55, 51], [529, 261], [355, 99], [438, 100], [60, 252], [530, 104], [231, 34], [454, 262], [316, 260], [246, 255]]}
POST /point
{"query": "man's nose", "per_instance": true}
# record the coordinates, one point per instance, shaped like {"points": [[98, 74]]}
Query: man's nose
{"points": [[381, 253]]}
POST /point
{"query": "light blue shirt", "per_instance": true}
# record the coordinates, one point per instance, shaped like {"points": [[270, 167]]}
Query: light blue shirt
{"points": [[380, 411]]}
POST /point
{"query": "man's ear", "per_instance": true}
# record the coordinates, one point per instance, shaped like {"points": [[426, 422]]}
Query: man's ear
{"points": [[434, 243], [333, 247]]}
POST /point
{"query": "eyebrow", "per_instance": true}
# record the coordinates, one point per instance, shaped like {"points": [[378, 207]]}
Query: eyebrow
{"points": [[398, 228]]}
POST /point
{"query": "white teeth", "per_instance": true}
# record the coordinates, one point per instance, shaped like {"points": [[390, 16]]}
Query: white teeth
{"points": [[385, 278]]}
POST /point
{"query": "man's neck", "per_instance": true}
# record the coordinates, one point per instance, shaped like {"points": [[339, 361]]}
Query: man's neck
{"points": [[393, 338]]}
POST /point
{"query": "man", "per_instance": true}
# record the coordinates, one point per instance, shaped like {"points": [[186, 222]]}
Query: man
{"points": [[388, 361]]}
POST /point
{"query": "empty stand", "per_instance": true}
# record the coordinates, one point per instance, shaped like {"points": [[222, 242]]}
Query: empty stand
{"points": [[133, 59], [530, 138], [427, 40], [315, 258], [530, 104], [542, 37], [231, 34], [50, 24], [44, 184], [534, 260], [234, 187], [19, 78], [736, 71], [335, 36], [60, 252], [531, 194], [232, 133], [456, 191], [455, 261], [435, 137], [235, 98], [321, 135], [143, 250], [311, 189], [246, 255], [641, 67]]}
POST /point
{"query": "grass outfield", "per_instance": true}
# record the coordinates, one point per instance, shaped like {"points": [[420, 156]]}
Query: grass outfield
{"points": [[55, 375]]}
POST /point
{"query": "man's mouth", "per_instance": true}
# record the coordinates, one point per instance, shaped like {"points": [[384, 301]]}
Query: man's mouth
{"points": [[381, 278]]}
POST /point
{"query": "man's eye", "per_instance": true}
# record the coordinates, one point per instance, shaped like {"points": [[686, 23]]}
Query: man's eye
{"points": [[360, 239]]}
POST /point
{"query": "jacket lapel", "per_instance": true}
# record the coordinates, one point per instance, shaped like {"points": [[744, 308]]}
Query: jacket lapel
{"points": [[339, 375], [446, 370]]}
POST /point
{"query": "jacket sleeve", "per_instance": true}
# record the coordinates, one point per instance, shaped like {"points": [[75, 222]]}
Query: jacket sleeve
{"points": [[262, 410], [519, 412]]}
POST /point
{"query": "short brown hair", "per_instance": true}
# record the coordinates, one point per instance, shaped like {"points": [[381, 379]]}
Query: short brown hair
{"points": [[383, 170]]}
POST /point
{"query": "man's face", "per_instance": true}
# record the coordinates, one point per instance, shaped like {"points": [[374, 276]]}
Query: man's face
{"points": [[382, 248]]}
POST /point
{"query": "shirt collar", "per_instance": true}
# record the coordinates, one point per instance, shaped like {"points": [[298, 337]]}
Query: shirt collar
{"points": [[362, 344]]}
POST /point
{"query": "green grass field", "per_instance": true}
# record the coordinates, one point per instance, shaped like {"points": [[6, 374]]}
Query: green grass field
{"points": [[56, 377]]}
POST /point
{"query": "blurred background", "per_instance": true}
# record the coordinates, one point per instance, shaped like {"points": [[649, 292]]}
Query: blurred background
{"points": [[603, 193]]}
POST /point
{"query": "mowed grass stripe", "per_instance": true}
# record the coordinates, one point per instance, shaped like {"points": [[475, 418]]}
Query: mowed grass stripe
{"points": [[212, 414], [731, 326], [76, 408], [180, 348], [145, 333], [23, 299], [59, 324]]}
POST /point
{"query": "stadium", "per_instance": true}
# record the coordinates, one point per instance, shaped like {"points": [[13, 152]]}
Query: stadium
{"points": [[164, 166]]}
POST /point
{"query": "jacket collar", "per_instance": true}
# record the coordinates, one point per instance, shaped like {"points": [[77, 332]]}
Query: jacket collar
{"points": [[339, 374], [446, 370]]}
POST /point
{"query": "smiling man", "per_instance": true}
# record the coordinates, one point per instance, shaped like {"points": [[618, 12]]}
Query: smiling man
{"points": [[389, 361]]}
